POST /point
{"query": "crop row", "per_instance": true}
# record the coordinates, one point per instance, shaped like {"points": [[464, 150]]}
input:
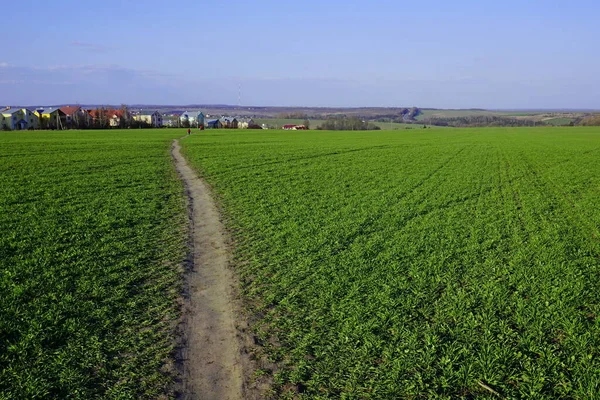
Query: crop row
{"points": [[90, 250], [436, 264]]}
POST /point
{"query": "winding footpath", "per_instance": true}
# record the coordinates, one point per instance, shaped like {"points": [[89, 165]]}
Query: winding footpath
{"points": [[212, 367]]}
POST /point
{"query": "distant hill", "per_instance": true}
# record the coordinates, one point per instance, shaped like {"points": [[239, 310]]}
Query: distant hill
{"points": [[398, 115]]}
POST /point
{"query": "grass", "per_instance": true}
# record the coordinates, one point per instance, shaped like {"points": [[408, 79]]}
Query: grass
{"points": [[417, 264], [90, 248]]}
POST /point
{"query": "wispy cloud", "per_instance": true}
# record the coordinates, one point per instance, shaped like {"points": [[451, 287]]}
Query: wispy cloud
{"points": [[3, 65], [93, 47]]}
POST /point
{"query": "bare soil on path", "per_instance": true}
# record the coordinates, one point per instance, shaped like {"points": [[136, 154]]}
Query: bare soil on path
{"points": [[210, 355]]}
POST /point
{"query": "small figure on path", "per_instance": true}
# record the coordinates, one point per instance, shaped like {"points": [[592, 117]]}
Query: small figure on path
{"points": [[189, 131]]}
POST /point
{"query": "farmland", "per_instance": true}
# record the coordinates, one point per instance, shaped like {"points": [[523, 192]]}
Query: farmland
{"points": [[91, 248], [416, 264], [437, 263], [558, 121], [314, 124], [441, 113]]}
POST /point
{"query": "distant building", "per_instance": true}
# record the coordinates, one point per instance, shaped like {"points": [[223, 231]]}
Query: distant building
{"points": [[76, 117], [243, 123], [113, 117], [170, 120], [213, 124], [18, 119], [193, 118], [151, 117], [51, 118], [229, 122]]}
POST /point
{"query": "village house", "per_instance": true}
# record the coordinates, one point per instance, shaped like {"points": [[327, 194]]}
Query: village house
{"points": [[3, 120], [229, 122], [18, 119], [170, 120], [76, 117], [193, 118], [115, 117], [112, 117], [213, 124], [51, 118], [244, 123], [98, 115], [150, 117]]}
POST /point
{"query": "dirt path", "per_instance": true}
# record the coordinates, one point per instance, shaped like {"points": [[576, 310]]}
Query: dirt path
{"points": [[212, 366]]}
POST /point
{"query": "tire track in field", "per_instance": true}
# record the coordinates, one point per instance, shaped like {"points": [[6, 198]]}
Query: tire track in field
{"points": [[210, 355], [369, 221], [545, 185], [301, 158]]}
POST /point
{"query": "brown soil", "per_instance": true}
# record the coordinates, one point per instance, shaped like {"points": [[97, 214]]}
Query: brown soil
{"points": [[210, 358]]}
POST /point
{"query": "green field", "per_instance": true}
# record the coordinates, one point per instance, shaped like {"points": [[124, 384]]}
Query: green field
{"points": [[417, 264], [91, 248], [438, 263]]}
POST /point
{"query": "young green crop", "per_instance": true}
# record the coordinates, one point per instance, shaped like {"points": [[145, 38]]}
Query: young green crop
{"points": [[417, 264], [90, 249]]}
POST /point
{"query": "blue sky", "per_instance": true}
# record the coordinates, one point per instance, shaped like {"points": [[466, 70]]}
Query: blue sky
{"points": [[459, 54]]}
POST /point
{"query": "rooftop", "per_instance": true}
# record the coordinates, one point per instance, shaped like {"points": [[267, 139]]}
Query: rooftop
{"points": [[48, 110], [191, 114], [69, 110]]}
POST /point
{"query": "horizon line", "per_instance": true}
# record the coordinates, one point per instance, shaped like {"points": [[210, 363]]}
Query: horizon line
{"points": [[200, 105]]}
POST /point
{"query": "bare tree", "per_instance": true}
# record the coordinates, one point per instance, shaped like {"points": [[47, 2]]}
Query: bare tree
{"points": [[125, 120]]}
